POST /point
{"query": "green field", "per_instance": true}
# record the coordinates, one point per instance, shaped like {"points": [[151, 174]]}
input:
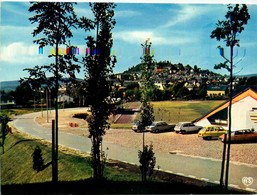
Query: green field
{"points": [[178, 111]]}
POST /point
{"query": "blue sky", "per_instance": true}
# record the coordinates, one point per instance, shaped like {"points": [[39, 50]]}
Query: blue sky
{"points": [[178, 32]]}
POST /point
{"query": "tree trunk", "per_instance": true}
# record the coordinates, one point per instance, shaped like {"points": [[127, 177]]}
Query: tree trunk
{"points": [[230, 118]]}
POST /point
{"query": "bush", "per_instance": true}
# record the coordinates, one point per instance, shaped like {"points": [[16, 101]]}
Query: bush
{"points": [[38, 161], [147, 162]]}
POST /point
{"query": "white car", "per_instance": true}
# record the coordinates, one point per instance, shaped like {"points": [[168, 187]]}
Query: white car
{"points": [[185, 127]]}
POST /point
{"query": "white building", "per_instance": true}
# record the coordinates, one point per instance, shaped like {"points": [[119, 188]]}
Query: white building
{"points": [[243, 112], [65, 98]]}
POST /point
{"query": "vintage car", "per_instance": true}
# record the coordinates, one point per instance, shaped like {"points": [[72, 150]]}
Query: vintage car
{"points": [[241, 135], [184, 127], [136, 127], [211, 132], [159, 126]]}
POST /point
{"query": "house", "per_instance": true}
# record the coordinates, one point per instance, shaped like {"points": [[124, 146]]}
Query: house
{"points": [[159, 85], [65, 98], [217, 90], [243, 112]]}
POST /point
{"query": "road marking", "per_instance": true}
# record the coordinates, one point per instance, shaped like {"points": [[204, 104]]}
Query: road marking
{"points": [[204, 179], [233, 185], [216, 160], [251, 189], [169, 171]]}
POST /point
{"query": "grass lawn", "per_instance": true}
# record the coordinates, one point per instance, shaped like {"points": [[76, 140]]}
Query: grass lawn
{"points": [[178, 111], [121, 126], [17, 163], [18, 111]]}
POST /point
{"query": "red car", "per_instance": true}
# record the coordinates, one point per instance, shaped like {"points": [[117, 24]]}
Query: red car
{"points": [[241, 135]]}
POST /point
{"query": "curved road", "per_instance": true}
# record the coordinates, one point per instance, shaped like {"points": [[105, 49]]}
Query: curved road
{"points": [[201, 168]]}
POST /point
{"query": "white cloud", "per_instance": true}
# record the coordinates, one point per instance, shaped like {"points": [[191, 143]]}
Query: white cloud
{"points": [[189, 12], [18, 52], [127, 13], [141, 36]]}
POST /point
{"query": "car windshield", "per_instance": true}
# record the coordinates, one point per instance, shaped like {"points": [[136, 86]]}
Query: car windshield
{"points": [[179, 124], [153, 124]]}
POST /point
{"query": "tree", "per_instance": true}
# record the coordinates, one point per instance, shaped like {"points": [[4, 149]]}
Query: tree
{"points": [[99, 65], [228, 31], [55, 20], [38, 161], [146, 110], [20, 98], [147, 162], [4, 119]]}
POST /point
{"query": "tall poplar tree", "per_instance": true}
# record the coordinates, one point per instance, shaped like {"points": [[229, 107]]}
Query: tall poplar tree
{"points": [[146, 156], [55, 20], [228, 30], [99, 64]]}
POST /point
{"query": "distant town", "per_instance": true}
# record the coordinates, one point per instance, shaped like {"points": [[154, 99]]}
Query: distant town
{"points": [[171, 81]]}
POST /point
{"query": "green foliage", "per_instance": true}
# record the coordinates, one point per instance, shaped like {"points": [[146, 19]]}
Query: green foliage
{"points": [[4, 119], [38, 161], [55, 20], [20, 98], [146, 110], [147, 162], [98, 67], [228, 29], [252, 81]]}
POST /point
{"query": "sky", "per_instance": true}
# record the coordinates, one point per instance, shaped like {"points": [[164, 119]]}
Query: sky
{"points": [[178, 32]]}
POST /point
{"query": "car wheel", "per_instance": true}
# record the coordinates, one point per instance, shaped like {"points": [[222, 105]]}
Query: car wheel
{"points": [[177, 131], [157, 131], [183, 132]]}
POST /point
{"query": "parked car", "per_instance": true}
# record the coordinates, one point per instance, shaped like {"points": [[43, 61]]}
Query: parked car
{"points": [[135, 127], [212, 131], [159, 126], [241, 135], [184, 127]]}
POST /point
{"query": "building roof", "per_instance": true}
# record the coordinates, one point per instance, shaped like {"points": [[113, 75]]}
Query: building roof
{"points": [[247, 92]]}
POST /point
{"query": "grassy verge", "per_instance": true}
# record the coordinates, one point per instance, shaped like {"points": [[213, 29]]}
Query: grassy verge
{"points": [[17, 163], [18, 111], [122, 126]]}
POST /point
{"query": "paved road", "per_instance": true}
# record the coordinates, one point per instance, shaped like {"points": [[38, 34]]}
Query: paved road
{"points": [[195, 167]]}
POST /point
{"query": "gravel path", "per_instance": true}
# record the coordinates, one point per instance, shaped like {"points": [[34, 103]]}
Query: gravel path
{"points": [[189, 144]]}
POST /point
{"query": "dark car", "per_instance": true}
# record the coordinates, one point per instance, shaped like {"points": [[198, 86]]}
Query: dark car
{"points": [[159, 126]]}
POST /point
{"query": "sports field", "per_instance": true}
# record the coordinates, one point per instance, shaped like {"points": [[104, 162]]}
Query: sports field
{"points": [[178, 111]]}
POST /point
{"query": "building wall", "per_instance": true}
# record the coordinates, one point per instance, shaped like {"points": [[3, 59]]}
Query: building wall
{"points": [[209, 93], [240, 112]]}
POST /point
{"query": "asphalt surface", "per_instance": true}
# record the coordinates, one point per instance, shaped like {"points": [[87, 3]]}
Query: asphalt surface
{"points": [[243, 176]]}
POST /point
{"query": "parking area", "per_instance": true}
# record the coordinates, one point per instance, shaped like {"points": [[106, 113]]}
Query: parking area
{"points": [[189, 144], [168, 142]]}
